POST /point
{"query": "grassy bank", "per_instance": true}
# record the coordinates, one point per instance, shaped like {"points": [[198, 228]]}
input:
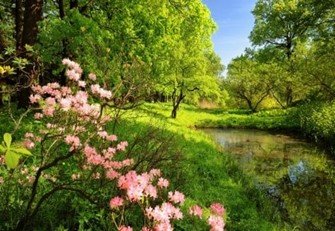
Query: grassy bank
{"points": [[205, 173]]}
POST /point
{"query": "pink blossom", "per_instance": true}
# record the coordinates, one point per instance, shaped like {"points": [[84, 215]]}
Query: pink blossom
{"points": [[96, 175], [162, 183], [103, 134], [196, 211], [216, 223], [50, 101], [28, 144], [124, 228], [92, 76], [66, 91], [29, 135], [111, 174], [30, 179], [34, 98], [48, 111], [72, 75], [102, 93], [116, 202], [81, 83], [38, 116], [75, 176], [72, 65], [176, 197], [122, 146], [37, 88], [146, 229], [166, 226], [154, 173], [163, 214], [111, 138], [217, 209], [74, 141], [151, 191], [65, 103]]}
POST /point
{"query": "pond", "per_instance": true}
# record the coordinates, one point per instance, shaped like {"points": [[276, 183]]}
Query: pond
{"points": [[298, 177]]}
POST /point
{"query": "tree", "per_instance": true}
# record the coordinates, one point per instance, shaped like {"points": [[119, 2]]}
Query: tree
{"points": [[250, 81], [282, 24]]}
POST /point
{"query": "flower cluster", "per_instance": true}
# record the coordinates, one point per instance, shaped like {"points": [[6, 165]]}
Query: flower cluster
{"points": [[215, 220]]}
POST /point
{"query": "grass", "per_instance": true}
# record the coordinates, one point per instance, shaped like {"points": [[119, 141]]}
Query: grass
{"points": [[208, 175], [200, 170]]}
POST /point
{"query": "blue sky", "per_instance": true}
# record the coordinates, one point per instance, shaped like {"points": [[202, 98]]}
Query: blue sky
{"points": [[235, 21]]}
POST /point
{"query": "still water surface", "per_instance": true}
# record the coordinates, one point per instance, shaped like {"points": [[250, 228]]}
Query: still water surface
{"points": [[295, 174]]}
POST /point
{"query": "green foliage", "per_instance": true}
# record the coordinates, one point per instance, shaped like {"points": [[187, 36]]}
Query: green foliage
{"points": [[12, 153], [251, 81]]}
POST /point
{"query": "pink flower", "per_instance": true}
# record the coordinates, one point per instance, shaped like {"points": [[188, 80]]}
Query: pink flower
{"points": [[50, 101], [102, 93], [176, 197], [154, 172], [162, 183], [65, 103], [74, 141], [34, 98], [72, 75], [92, 76], [216, 223], [146, 229], [103, 134], [111, 174], [151, 191], [124, 228], [163, 214], [38, 116], [217, 209], [75, 176], [29, 135], [48, 111], [116, 202], [111, 138], [28, 144], [122, 146], [81, 83], [196, 211]]}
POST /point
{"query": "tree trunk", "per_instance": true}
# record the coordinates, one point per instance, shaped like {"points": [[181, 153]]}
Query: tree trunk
{"points": [[289, 96], [73, 4], [18, 25], [176, 102], [32, 15]]}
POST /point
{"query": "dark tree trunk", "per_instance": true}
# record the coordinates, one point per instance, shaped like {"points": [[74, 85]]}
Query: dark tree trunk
{"points": [[32, 15], [176, 100], [18, 25], [73, 4], [61, 8], [289, 96]]}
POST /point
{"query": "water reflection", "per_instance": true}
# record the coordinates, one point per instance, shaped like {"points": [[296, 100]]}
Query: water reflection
{"points": [[298, 177]]}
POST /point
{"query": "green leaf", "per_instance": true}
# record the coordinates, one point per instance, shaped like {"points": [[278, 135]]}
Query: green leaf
{"points": [[2, 149], [28, 48], [12, 159], [8, 139], [22, 151]]}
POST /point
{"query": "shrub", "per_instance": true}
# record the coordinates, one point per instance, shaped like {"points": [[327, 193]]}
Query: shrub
{"points": [[75, 157]]}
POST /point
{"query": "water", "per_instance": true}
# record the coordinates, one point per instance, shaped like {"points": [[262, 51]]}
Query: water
{"points": [[298, 177]]}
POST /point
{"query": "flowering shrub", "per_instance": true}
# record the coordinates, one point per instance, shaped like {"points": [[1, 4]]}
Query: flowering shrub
{"points": [[72, 147]]}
